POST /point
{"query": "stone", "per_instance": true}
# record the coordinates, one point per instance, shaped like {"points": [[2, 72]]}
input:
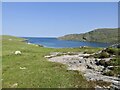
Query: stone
{"points": [[10, 39], [22, 67], [14, 85], [87, 66], [97, 87], [18, 53], [47, 56], [28, 43]]}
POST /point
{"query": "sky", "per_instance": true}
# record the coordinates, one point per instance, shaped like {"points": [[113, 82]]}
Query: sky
{"points": [[54, 19]]}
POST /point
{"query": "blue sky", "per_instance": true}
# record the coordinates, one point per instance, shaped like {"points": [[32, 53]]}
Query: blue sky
{"points": [[52, 19]]}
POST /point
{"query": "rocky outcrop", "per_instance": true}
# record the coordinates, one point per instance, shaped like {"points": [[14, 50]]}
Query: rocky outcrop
{"points": [[87, 66], [116, 45]]}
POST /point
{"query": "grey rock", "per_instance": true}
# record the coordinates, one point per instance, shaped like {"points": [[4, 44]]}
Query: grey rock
{"points": [[87, 66]]}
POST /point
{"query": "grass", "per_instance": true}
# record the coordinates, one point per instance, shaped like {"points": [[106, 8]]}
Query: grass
{"points": [[101, 83], [39, 72], [114, 62]]}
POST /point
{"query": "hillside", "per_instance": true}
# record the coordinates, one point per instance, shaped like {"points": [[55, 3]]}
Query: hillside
{"points": [[32, 70], [21, 70], [107, 35]]}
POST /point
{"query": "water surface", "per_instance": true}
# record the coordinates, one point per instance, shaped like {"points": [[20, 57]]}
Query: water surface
{"points": [[56, 43]]}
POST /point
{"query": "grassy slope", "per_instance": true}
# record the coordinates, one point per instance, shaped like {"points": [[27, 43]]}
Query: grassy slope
{"points": [[107, 35], [39, 72], [0, 61]]}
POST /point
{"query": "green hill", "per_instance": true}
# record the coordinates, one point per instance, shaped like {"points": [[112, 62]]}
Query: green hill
{"points": [[107, 35]]}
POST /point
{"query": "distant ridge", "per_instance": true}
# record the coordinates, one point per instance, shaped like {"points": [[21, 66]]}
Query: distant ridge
{"points": [[105, 35]]}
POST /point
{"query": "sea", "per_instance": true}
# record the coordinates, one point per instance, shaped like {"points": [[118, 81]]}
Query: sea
{"points": [[56, 43]]}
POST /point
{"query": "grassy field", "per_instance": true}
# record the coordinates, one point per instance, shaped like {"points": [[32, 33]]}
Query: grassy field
{"points": [[39, 72]]}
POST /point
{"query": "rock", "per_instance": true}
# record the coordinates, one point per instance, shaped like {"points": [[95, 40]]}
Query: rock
{"points": [[28, 43], [84, 55], [110, 67], [25, 40], [79, 61], [22, 67], [18, 53], [83, 61], [56, 53], [73, 67], [99, 68], [68, 52], [115, 85], [80, 57], [115, 45], [14, 85], [97, 87], [47, 56], [106, 70], [98, 52], [85, 47], [35, 44], [87, 66], [40, 45], [52, 55], [10, 39]]}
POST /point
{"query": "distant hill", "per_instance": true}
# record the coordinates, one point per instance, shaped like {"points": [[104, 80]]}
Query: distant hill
{"points": [[106, 35]]}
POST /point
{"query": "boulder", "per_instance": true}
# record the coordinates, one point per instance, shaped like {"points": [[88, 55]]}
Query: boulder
{"points": [[18, 53]]}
